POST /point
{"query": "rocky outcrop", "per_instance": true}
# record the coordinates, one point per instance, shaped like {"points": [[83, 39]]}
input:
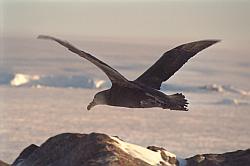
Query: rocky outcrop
{"points": [[237, 158], [89, 150], [3, 163], [95, 149]]}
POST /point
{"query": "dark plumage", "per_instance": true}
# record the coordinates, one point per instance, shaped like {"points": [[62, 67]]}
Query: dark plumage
{"points": [[144, 91]]}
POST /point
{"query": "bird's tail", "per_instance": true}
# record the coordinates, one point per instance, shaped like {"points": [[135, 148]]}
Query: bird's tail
{"points": [[178, 102]]}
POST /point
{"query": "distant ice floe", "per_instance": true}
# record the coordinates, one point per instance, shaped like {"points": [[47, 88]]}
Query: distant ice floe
{"points": [[208, 88], [213, 87], [179, 88], [99, 83], [228, 101], [21, 79], [63, 81], [225, 88], [83, 81], [235, 90]]}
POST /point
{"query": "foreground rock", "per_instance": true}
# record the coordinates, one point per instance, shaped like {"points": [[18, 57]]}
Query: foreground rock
{"points": [[3, 163], [92, 149], [237, 158], [102, 150]]}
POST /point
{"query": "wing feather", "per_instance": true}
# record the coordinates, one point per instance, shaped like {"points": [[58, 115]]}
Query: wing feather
{"points": [[112, 74], [170, 62]]}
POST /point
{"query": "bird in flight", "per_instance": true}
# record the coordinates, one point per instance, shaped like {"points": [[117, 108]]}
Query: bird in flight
{"points": [[143, 92]]}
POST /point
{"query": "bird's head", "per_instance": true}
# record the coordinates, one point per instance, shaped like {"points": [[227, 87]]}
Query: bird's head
{"points": [[99, 99]]}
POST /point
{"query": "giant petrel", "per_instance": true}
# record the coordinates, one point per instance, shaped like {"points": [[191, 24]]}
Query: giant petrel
{"points": [[144, 91]]}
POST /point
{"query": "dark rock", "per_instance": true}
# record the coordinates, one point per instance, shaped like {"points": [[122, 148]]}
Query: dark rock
{"points": [[155, 148], [3, 163], [25, 154], [164, 156], [237, 158], [96, 149], [80, 150]]}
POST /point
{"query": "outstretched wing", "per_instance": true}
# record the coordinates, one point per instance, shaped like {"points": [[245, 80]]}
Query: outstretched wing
{"points": [[112, 74], [170, 62]]}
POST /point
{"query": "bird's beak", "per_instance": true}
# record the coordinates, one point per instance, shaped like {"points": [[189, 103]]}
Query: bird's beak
{"points": [[92, 104]]}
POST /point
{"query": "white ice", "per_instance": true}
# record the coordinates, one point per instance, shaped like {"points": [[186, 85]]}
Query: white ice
{"points": [[146, 155]]}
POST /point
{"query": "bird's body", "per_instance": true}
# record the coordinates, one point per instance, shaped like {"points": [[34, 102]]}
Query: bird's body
{"points": [[141, 97], [144, 91]]}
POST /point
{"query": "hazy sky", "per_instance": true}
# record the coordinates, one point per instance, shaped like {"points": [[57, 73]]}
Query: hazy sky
{"points": [[189, 19]]}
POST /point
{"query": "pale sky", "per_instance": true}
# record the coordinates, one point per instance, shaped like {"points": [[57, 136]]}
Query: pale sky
{"points": [[190, 19]]}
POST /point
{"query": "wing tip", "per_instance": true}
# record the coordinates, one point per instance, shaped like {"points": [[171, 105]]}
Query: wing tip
{"points": [[62, 42], [44, 37], [197, 46], [209, 42], [212, 41]]}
